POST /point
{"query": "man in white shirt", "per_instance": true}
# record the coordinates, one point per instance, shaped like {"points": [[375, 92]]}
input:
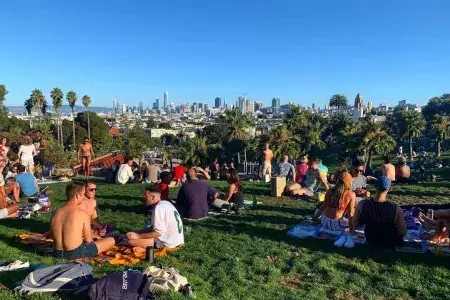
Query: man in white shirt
{"points": [[167, 227], [125, 173]]}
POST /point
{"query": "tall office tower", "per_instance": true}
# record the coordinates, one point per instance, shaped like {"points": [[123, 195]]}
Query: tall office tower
{"points": [[114, 107], [313, 106], [141, 107], [258, 106], [275, 104], [194, 107], [200, 107], [156, 105], [218, 102], [250, 106], [124, 108], [242, 104], [166, 98]]}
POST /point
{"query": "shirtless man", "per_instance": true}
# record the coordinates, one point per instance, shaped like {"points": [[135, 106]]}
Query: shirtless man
{"points": [[71, 228], [267, 155], [86, 153], [387, 169], [89, 205]]}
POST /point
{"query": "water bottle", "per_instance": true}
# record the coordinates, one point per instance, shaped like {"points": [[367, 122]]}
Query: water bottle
{"points": [[149, 254], [254, 202]]}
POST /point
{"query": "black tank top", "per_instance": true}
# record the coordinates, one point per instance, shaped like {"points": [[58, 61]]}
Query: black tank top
{"points": [[379, 218]]}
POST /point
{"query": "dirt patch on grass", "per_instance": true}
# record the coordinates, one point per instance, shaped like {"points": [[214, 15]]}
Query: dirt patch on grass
{"points": [[292, 282]]}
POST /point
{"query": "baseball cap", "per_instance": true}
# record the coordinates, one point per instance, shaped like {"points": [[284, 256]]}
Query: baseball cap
{"points": [[383, 183]]}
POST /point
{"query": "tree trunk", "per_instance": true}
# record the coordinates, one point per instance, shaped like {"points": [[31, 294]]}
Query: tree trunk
{"points": [[73, 131], [369, 159], [89, 124], [61, 130], [438, 148], [411, 149]]}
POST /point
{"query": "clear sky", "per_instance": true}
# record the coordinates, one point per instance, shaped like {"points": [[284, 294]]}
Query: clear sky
{"points": [[300, 51]]}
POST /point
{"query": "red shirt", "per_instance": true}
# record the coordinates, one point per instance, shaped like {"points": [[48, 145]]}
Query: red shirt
{"points": [[178, 172], [164, 189]]}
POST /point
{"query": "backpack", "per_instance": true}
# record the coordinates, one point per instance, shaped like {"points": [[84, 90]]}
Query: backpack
{"points": [[126, 285], [166, 279], [72, 277]]}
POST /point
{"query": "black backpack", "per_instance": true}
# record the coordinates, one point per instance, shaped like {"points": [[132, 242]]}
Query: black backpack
{"points": [[126, 285]]}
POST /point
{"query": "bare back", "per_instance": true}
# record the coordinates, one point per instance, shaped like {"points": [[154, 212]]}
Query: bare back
{"points": [[267, 155], [69, 227], [388, 171], [86, 149]]}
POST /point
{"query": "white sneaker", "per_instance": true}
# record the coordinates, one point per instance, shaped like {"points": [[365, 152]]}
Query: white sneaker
{"points": [[349, 243], [341, 241]]}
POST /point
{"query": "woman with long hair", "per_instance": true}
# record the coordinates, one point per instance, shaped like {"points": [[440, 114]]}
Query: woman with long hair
{"points": [[339, 203], [27, 151], [234, 192]]}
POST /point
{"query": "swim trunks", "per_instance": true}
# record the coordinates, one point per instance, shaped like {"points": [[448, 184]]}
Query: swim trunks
{"points": [[83, 251]]}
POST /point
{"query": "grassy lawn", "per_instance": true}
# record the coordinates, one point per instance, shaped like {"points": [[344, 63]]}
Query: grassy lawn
{"points": [[226, 257]]}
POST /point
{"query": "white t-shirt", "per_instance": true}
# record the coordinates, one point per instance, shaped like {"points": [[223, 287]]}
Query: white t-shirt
{"points": [[167, 221], [124, 174], [27, 151]]}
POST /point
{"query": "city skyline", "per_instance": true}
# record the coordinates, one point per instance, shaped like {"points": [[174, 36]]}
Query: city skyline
{"points": [[298, 52]]}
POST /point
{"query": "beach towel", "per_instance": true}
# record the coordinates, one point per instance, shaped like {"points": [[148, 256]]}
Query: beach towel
{"points": [[118, 255]]}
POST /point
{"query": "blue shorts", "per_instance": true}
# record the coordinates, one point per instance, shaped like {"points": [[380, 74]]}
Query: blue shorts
{"points": [[83, 251]]}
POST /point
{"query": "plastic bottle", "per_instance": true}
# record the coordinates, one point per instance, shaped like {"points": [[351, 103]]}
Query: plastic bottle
{"points": [[255, 203], [149, 254]]}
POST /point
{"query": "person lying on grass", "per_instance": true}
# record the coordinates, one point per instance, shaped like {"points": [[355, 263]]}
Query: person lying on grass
{"points": [[440, 226], [313, 178], [70, 228], [384, 220], [338, 201], [166, 228]]}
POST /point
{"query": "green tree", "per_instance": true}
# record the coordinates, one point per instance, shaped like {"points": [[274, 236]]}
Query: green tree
{"points": [[138, 141], [414, 125], [151, 123], [38, 99], [338, 100], [336, 123], [28, 104], [71, 97], [283, 142], [441, 128], [377, 141], [437, 106], [238, 125], [194, 151], [57, 96], [86, 100], [165, 125], [3, 93]]}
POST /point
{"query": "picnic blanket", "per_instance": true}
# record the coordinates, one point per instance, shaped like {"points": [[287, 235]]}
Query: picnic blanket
{"points": [[118, 255], [412, 240]]}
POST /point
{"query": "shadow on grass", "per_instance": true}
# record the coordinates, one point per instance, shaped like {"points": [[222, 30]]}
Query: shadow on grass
{"points": [[362, 252], [289, 210], [27, 225]]}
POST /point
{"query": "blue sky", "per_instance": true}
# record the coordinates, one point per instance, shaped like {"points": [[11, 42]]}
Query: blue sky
{"points": [[300, 51]]}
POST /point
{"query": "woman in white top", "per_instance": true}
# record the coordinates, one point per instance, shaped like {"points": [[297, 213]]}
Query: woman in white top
{"points": [[27, 152]]}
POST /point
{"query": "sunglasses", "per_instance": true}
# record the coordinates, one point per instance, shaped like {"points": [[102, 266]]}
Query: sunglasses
{"points": [[92, 190]]}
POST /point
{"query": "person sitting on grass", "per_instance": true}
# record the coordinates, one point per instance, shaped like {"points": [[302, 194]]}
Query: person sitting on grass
{"points": [[234, 193], [440, 226], [164, 185], [384, 221], [27, 182], [166, 228], [313, 178], [70, 228], [403, 171], [339, 202], [177, 175], [359, 184], [10, 188], [342, 168], [8, 208], [194, 196], [387, 169], [286, 169], [125, 173], [89, 205], [301, 169]]}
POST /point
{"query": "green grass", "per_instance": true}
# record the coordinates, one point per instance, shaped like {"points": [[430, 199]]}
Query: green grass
{"points": [[226, 257]]}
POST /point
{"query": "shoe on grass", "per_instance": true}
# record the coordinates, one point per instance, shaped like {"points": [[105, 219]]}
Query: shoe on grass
{"points": [[349, 243], [341, 241]]}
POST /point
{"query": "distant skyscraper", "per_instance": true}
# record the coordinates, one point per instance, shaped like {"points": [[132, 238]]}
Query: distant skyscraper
{"points": [[141, 107], [258, 105], [218, 102], [201, 107], [166, 98], [275, 104], [250, 106], [156, 104], [124, 108], [313, 106], [194, 107], [358, 101], [242, 104], [114, 107]]}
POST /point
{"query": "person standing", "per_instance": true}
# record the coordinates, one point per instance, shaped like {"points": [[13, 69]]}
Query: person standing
{"points": [[85, 156], [40, 144], [267, 156], [27, 151]]}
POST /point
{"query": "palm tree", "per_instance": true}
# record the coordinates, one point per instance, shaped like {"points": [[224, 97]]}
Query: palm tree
{"points": [[313, 137], [378, 141], [28, 106], [283, 142], [441, 127], [338, 100], [38, 99], [414, 125], [86, 100], [194, 151], [238, 124], [71, 97], [57, 95]]}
